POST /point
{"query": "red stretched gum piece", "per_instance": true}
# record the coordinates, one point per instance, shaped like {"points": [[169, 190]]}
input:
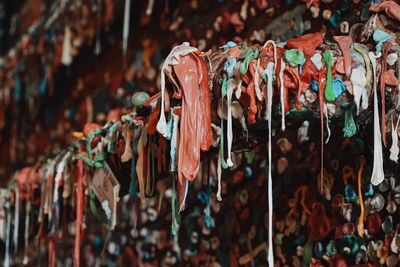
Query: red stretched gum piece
{"points": [[321, 97], [153, 119], [344, 44], [141, 166], [189, 141], [390, 78], [292, 82], [391, 9], [206, 138], [309, 71], [306, 43], [152, 99]]}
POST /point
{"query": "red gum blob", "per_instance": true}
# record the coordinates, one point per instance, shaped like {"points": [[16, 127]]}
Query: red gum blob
{"points": [[391, 9], [292, 82], [306, 43], [390, 79], [344, 44], [309, 71]]}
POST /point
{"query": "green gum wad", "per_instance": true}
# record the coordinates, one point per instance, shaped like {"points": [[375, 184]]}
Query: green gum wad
{"points": [[329, 94], [294, 57], [350, 127], [247, 55]]}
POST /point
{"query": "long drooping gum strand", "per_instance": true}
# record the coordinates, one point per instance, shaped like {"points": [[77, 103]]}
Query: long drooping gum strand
{"points": [[271, 42], [303, 200], [183, 49], [360, 227], [174, 142], [377, 170], [139, 167], [321, 114], [394, 150], [26, 233], [79, 212], [66, 56], [382, 89], [16, 220], [6, 261], [125, 29], [149, 9], [270, 199], [328, 129], [229, 132], [257, 80], [219, 173], [282, 95]]}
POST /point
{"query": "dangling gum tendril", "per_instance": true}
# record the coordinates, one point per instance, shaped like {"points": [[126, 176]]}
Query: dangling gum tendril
{"points": [[270, 204], [321, 114], [300, 192], [360, 227], [269, 42], [270, 72]]}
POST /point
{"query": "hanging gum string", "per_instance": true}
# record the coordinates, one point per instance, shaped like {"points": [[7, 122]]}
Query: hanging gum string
{"points": [[79, 211], [321, 114], [125, 29], [140, 166], [300, 194], [282, 95], [174, 223], [377, 170], [221, 161], [230, 86], [16, 220], [270, 199], [328, 129], [207, 211], [26, 233], [51, 252], [394, 150], [6, 261], [360, 226], [135, 140], [271, 42]]}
